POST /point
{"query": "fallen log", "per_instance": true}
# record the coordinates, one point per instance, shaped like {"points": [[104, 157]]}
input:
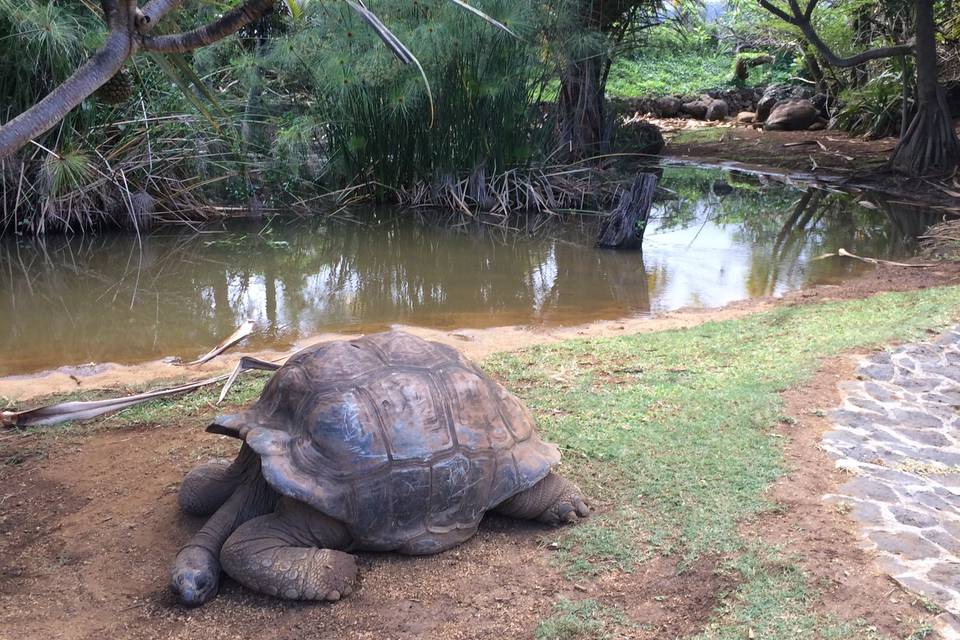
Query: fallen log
{"points": [[624, 227]]}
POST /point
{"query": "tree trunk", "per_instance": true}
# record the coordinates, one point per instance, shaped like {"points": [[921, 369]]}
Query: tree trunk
{"points": [[581, 113], [624, 227], [930, 145]]}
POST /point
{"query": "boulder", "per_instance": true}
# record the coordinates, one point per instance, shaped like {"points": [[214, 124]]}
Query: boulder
{"points": [[717, 110], [764, 107], [696, 109], [793, 115], [667, 107], [776, 93], [746, 117], [637, 136]]}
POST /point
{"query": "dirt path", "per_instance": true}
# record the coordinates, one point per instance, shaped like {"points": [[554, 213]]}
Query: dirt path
{"points": [[89, 526]]}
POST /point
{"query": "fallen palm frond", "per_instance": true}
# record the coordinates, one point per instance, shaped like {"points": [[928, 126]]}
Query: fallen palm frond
{"points": [[242, 332], [942, 240], [246, 363], [843, 253], [87, 410], [72, 411]]}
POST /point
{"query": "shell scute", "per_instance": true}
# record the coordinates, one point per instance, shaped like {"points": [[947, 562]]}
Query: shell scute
{"points": [[516, 416], [461, 489], [340, 437], [415, 423], [410, 491], [333, 363], [473, 406], [405, 350]]}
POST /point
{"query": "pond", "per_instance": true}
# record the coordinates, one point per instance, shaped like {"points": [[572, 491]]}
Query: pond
{"points": [[715, 237]]}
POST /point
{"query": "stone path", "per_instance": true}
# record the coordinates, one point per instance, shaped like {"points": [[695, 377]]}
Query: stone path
{"points": [[898, 431]]}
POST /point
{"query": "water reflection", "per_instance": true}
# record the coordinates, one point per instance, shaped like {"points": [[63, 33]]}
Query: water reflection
{"points": [[175, 292]]}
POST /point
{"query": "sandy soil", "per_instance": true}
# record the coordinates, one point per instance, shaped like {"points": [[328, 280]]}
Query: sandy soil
{"points": [[89, 526]]}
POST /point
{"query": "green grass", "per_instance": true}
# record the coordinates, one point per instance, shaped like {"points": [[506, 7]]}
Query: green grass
{"points": [[672, 434], [580, 620], [663, 73], [687, 72]]}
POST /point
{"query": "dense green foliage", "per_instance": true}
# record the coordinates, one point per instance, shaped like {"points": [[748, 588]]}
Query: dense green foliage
{"points": [[686, 61], [375, 121], [120, 163]]}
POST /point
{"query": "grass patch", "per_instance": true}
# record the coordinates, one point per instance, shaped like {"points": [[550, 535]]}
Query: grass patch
{"points": [[698, 135], [666, 73], [775, 601], [673, 434], [685, 72], [580, 620]]}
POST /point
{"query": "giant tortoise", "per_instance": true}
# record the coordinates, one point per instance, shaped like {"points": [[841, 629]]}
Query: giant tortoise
{"points": [[383, 443]]}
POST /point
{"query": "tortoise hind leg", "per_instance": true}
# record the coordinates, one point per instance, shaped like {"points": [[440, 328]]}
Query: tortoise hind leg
{"points": [[553, 500], [292, 554]]}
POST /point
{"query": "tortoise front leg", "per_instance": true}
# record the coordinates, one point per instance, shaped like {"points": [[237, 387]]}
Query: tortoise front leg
{"points": [[196, 574], [292, 554], [553, 500], [208, 486]]}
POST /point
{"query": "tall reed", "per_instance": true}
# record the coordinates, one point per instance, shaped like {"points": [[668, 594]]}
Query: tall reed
{"points": [[374, 121]]}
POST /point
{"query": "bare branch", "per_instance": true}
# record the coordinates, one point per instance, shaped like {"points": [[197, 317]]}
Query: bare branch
{"points": [[801, 19], [775, 10], [154, 12], [873, 54], [42, 116], [230, 23]]}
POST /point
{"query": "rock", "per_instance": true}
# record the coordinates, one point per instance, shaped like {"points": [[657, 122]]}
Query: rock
{"points": [[637, 136], [718, 110], [696, 109], [906, 545], [793, 115], [913, 518], [667, 107], [777, 93], [746, 117]]}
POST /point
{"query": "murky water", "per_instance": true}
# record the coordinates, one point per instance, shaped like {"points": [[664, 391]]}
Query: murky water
{"points": [[717, 237]]}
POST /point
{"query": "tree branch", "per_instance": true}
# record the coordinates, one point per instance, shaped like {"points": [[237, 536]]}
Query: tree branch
{"points": [[775, 10], [154, 12], [801, 18], [230, 23], [42, 116]]}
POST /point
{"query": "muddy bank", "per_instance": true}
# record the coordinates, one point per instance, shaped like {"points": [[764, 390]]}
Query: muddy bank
{"points": [[478, 343], [835, 157]]}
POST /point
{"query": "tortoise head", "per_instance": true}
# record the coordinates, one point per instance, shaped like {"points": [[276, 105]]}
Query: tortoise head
{"points": [[232, 425]]}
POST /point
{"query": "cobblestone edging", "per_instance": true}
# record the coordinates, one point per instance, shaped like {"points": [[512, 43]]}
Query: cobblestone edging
{"points": [[898, 431]]}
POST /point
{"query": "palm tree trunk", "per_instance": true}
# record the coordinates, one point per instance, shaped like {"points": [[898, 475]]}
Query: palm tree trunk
{"points": [[582, 114]]}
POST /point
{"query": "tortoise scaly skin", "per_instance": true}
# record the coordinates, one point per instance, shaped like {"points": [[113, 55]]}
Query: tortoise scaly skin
{"points": [[383, 443]]}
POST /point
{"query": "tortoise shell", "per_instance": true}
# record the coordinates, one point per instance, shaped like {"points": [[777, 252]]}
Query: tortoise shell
{"points": [[405, 441]]}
